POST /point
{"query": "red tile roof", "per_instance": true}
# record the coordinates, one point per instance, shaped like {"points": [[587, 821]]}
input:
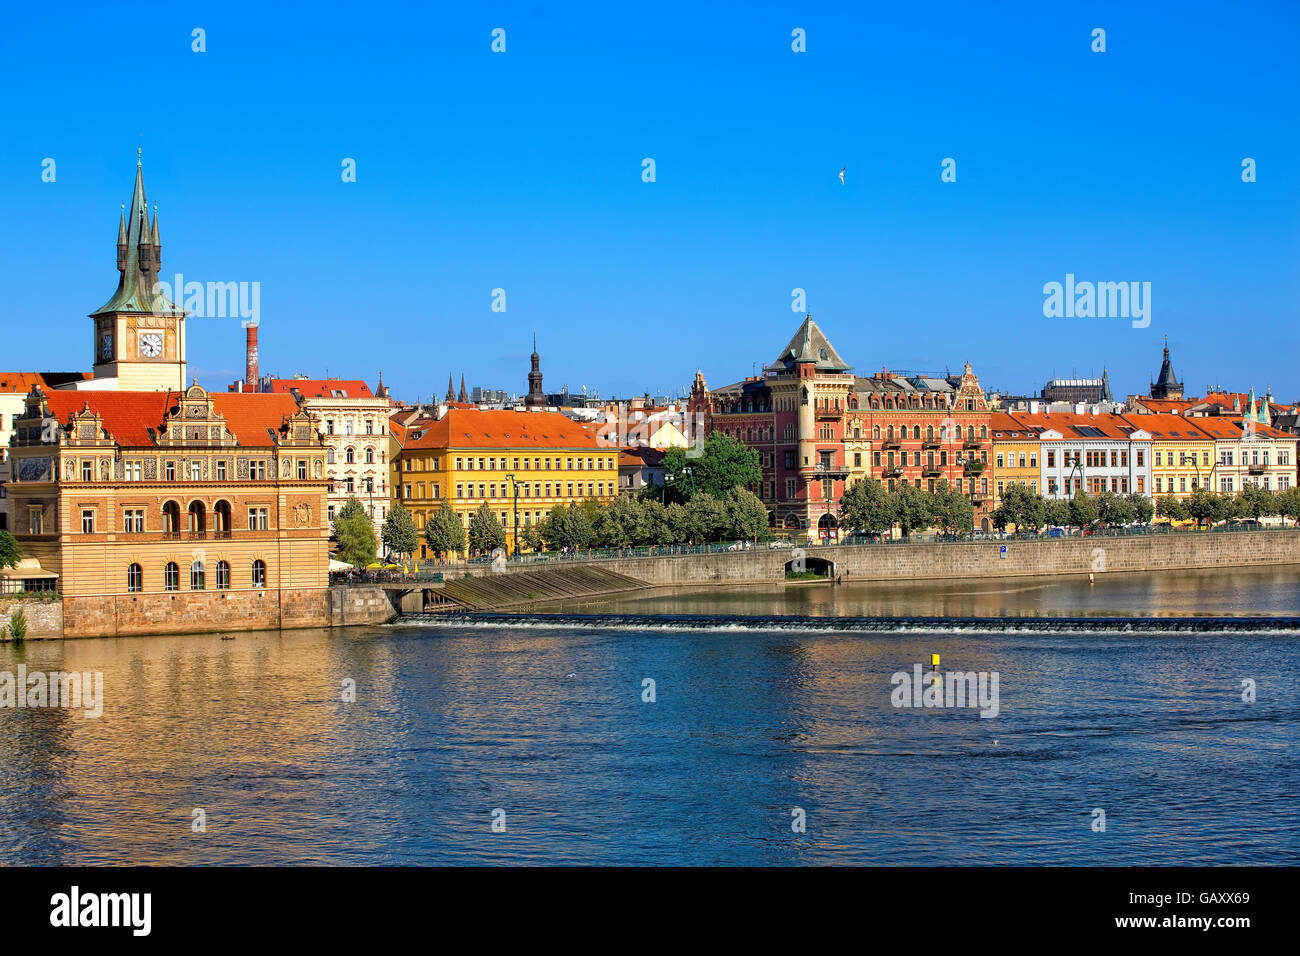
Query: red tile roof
{"points": [[1069, 424], [23, 381], [128, 416], [1168, 427], [479, 428], [323, 387]]}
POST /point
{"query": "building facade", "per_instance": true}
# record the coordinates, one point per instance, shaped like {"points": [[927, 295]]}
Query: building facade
{"points": [[519, 463], [154, 508], [354, 425]]}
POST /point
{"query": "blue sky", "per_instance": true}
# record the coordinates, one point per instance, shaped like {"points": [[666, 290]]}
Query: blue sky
{"points": [[522, 171]]}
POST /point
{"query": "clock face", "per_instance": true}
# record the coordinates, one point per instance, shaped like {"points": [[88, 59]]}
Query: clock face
{"points": [[151, 345]]}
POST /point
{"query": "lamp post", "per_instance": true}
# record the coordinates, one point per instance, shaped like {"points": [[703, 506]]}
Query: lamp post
{"points": [[514, 488], [663, 489], [687, 472]]}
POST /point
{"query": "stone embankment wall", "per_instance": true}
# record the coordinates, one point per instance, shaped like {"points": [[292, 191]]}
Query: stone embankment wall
{"points": [[984, 559]]}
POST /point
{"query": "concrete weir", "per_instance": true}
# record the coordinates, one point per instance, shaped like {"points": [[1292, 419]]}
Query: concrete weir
{"points": [[529, 587]]}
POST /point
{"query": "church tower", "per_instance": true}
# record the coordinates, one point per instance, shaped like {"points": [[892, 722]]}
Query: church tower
{"points": [[139, 333], [535, 398]]}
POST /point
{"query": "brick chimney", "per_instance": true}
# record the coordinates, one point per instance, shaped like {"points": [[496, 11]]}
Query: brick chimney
{"points": [[250, 349]]}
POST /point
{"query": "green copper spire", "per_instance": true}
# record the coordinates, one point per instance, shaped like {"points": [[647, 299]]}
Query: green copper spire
{"points": [[139, 258]]}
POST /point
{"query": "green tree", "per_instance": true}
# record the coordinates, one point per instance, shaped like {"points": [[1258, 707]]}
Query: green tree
{"points": [[1143, 507], [569, 527], [355, 534], [1056, 512], [1254, 502], [485, 531], [399, 532], [912, 507], [865, 506], [746, 515], [534, 536], [656, 528], [1167, 506], [1288, 504], [706, 517], [1114, 510], [950, 509], [678, 521], [1206, 506], [444, 533], [723, 463], [10, 553], [1083, 511], [1020, 507]]}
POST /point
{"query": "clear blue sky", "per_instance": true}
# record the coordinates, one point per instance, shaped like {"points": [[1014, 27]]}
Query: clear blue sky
{"points": [[523, 171]]}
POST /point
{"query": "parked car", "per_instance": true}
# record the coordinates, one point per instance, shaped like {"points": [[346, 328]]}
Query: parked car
{"points": [[780, 544]]}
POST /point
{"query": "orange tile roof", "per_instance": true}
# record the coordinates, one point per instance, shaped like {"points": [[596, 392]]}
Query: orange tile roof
{"points": [[1168, 427], [1012, 422], [23, 381], [481, 428], [1111, 426], [1158, 406], [323, 387], [128, 416], [1229, 427]]}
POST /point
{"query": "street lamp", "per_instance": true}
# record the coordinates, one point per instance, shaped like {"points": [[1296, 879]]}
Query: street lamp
{"points": [[689, 474], [514, 488], [663, 489]]}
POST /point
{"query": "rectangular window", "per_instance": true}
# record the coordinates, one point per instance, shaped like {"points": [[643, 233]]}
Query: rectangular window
{"points": [[257, 470], [133, 520], [302, 469], [257, 519], [999, 460], [196, 471], [169, 471], [221, 471], [789, 488], [1051, 459], [87, 521]]}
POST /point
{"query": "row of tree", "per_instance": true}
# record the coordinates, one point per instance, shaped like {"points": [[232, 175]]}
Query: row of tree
{"points": [[1026, 509], [867, 506]]}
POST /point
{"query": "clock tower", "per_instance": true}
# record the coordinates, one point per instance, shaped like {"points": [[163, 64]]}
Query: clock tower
{"points": [[139, 333]]}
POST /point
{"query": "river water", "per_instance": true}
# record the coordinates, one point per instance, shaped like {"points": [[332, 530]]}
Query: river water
{"points": [[755, 725]]}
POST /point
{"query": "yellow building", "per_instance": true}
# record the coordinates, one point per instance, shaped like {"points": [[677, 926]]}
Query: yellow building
{"points": [[468, 457], [1016, 448], [1182, 454]]}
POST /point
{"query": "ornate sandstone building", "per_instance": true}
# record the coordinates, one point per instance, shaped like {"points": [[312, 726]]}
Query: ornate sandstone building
{"points": [[162, 510]]}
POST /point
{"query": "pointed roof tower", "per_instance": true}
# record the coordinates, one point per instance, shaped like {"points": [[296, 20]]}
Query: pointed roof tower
{"points": [[1167, 385], [535, 398], [464, 396], [811, 345], [1105, 386], [139, 257], [451, 388]]}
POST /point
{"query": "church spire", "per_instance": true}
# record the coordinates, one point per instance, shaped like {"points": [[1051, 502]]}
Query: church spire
{"points": [[464, 396], [451, 389], [535, 398], [139, 258]]}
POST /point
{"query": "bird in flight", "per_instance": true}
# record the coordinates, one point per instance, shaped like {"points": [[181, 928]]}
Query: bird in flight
{"points": [[842, 175]]}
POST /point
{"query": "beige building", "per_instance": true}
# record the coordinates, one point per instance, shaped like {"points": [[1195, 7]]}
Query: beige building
{"points": [[155, 509], [354, 423]]}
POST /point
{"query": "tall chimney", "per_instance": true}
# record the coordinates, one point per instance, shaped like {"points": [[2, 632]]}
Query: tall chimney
{"points": [[250, 348]]}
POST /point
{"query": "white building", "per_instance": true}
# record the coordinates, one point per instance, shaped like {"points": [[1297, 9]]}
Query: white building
{"points": [[354, 422], [1095, 453]]}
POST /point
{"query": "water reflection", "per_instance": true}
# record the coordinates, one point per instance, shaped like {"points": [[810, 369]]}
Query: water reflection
{"points": [[451, 723]]}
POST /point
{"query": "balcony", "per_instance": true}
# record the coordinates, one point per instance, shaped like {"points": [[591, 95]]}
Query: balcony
{"points": [[970, 443], [974, 466], [932, 471], [893, 471], [1256, 469], [891, 443], [831, 414], [931, 443]]}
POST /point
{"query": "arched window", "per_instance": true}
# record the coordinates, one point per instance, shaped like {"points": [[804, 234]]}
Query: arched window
{"points": [[223, 576], [221, 518], [259, 573], [916, 431], [198, 519], [929, 432], [348, 456], [171, 518], [984, 431], [875, 432], [172, 577], [134, 578], [329, 455], [370, 456], [196, 576]]}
